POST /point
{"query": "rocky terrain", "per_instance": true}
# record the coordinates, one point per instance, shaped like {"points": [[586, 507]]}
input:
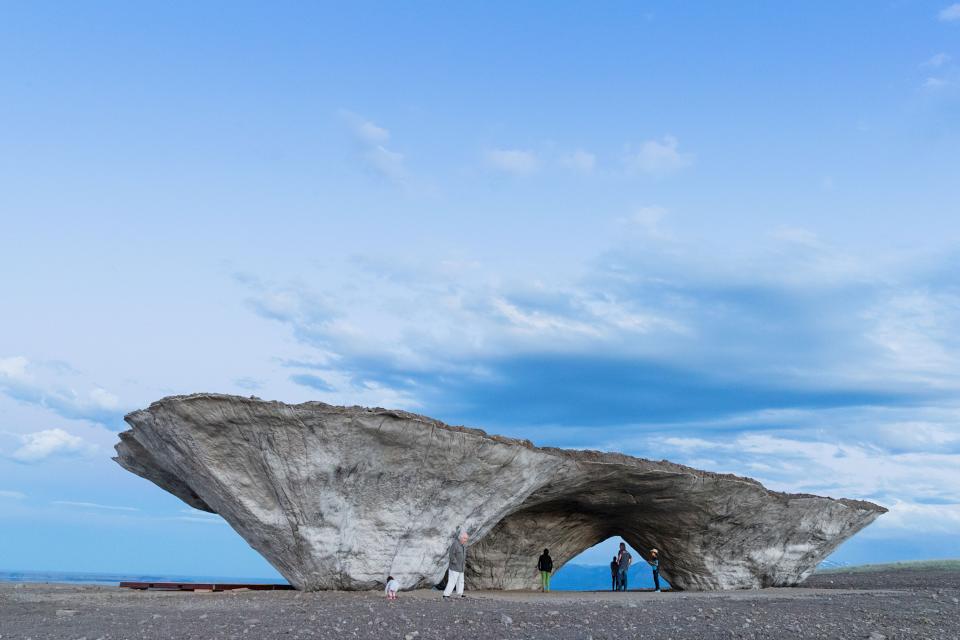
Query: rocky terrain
{"points": [[339, 497], [902, 604]]}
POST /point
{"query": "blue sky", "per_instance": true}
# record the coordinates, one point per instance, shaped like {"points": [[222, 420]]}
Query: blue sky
{"points": [[723, 235]]}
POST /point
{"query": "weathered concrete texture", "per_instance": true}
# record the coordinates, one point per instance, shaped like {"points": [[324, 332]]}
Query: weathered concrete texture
{"points": [[713, 531], [339, 497]]}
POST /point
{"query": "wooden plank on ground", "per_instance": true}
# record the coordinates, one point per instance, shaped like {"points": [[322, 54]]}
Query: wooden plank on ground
{"points": [[201, 586]]}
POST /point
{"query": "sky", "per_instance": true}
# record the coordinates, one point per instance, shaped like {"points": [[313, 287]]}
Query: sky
{"points": [[724, 235]]}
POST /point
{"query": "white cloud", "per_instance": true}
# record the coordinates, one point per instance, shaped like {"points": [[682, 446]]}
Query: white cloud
{"points": [[372, 139], [617, 316], [54, 386], [446, 323], [540, 323], [937, 60], [918, 435], [200, 520], [195, 515], [14, 367], [798, 259], [849, 328], [934, 83], [916, 330], [92, 505], [797, 236], [310, 313], [104, 399], [13, 495], [387, 163], [40, 445], [648, 219], [911, 428], [690, 444], [249, 383], [365, 130], [515, 161], [918, 518], [951, 13], [860, 327], [579, 160], [658, 157], [913, 482]]}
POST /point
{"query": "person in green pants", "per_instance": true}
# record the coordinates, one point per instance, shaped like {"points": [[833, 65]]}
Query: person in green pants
{"points": [[545, 566]]}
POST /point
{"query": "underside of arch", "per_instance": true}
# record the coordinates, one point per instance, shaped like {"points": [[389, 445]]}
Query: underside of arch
{"points": [[712, 532]]}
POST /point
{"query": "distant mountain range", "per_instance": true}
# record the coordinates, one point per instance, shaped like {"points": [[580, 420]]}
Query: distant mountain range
{"points": [[587, 577]]}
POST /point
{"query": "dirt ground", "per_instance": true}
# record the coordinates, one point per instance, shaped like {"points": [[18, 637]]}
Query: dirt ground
{"points": [[896, 604]]}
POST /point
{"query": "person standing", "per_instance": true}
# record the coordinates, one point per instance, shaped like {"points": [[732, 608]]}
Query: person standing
{"points": [[613, 574], [458, 564], [624, 559], [654, 562], [545, 567]]}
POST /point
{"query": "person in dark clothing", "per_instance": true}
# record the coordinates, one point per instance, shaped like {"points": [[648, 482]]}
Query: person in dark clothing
{"points": [[545, 566], [654, 562], [624, 559], [613, 574]]}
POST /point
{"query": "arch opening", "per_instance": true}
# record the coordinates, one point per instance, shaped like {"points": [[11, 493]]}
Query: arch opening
{"points": [[590, 570], [506, 557], [575, 513]]}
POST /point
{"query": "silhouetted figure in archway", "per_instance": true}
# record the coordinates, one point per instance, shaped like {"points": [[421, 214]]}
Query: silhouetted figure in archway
{"points": [[613, 574], [545, 566]]}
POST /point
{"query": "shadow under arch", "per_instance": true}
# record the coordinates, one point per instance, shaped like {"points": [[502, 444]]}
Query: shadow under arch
{"points": [[573, 515]]}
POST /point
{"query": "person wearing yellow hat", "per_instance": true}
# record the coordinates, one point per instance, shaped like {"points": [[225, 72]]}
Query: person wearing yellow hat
{"points": [[654, 562]]}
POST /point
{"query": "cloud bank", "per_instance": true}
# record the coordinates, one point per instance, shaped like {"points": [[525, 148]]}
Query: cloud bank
{"points": [[811, 368]]}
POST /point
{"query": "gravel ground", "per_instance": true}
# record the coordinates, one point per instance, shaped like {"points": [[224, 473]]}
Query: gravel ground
{"points": [[900, 604]]}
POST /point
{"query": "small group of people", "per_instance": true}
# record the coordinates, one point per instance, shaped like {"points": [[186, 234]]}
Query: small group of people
{"points": [[620, 567], [457, 557]]}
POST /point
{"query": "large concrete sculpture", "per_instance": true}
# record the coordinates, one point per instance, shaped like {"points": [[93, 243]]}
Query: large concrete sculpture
{"points": [[338, 497]]}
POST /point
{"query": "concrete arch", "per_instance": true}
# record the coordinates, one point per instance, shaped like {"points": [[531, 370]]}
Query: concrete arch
{"points": [[338, 497], [712, 531]]}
